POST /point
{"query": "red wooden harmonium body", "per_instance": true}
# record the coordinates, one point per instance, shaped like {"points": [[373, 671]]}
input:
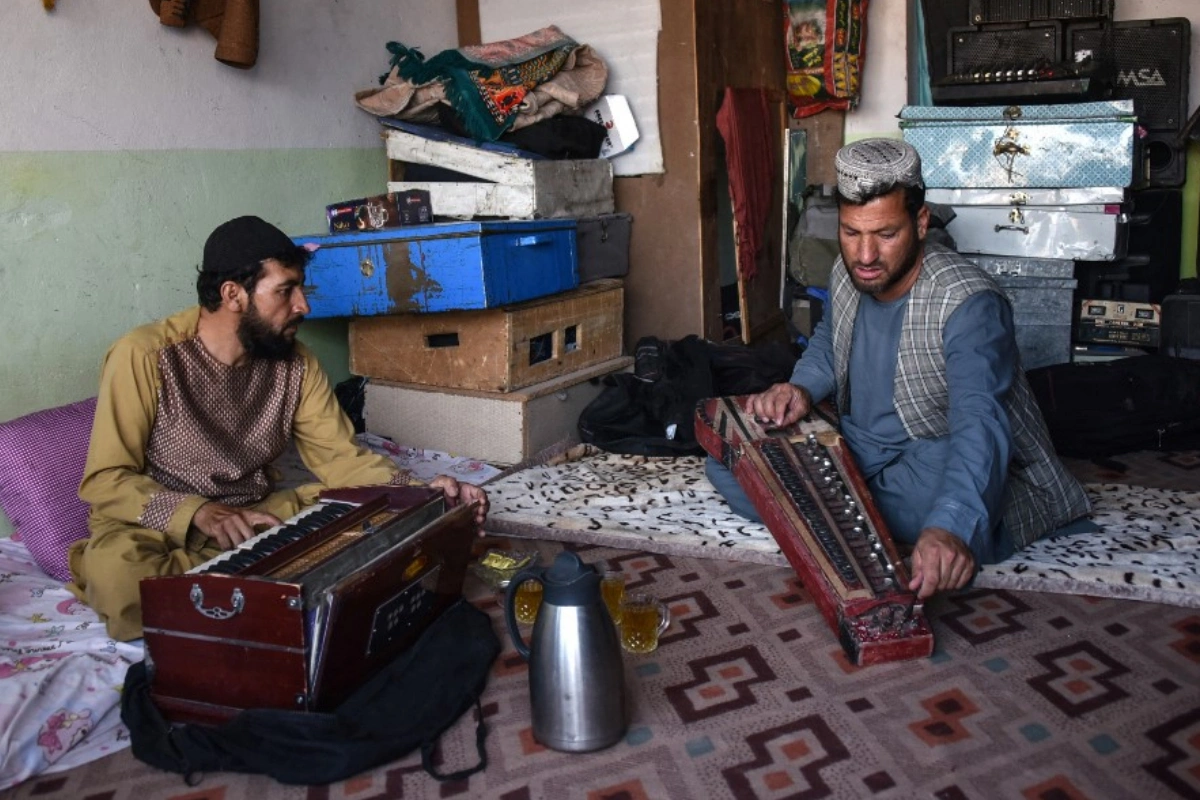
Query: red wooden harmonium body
{"points": [[804, 483], [304, 613]]}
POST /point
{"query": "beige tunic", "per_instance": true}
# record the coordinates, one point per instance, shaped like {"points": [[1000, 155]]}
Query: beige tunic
{"points": [[176, 428]]}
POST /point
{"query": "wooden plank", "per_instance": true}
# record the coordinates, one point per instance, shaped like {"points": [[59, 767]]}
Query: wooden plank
{"points": [[497, 350], [486, 164], [559, 192], [825, 137], [469, 29]]}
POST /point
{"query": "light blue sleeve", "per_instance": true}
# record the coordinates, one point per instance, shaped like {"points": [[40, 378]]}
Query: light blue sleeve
{"points": [[981, 360], [814, 370]]}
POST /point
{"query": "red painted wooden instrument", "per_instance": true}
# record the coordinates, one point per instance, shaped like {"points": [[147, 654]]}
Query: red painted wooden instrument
{"points": [[804, 483], [304, 613]]}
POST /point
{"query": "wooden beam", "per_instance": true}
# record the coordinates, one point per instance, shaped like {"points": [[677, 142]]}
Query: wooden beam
{"points": [[469, 29]]}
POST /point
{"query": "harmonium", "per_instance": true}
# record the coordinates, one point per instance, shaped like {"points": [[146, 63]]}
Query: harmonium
{"points": [[804, 483], [304, 613]]}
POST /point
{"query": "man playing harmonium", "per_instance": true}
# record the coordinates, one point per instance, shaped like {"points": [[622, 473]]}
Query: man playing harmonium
{"points": [[191, 412], [918, 353]]}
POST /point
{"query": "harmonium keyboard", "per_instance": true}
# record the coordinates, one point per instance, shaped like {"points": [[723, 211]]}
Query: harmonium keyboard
{"points": [[304, 613], [805, 485]]}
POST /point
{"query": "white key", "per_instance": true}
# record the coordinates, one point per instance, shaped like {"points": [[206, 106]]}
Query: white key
{"points": [[246, 545]]}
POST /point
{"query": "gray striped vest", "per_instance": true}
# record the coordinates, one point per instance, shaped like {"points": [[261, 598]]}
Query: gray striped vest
{"points": [[1041, 495]]}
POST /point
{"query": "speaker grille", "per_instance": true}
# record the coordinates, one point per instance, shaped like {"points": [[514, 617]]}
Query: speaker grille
{"points": [[1018, 45], [1150, 61]]}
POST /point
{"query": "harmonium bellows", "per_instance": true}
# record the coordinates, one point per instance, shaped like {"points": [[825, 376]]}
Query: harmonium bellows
{"points": [[304, 613], [805, 485]]}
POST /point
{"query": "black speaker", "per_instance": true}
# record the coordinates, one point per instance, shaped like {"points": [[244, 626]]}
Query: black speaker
{"points": [[1165, 161], [1150, 62], [940, 16], [1181, 325], [1018, 44], [1150, 270], [982, 12]]}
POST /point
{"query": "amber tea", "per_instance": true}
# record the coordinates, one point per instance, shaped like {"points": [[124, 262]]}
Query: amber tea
{"points": [[643, 619], [612, 588], [527, 602]]}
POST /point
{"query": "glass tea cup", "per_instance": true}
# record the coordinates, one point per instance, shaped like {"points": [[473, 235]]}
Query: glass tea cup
{"points": [[612, 589], [643, 620], [527, 602]]}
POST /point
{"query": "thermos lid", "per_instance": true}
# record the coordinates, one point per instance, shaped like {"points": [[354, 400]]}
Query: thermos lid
{"points": [[570, 582]]}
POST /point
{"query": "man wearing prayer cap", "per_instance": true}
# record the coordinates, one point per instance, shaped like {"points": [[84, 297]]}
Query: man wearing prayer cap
{"points": [[917, 353], [193, 409]]}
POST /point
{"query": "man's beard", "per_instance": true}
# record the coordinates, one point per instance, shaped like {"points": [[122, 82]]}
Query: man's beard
{"points": [[261, 341], [907, 264]]}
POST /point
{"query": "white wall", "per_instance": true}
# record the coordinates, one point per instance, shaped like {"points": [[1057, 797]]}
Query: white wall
{"points": [[124, 142], [96, 75], [627, 42], [885, 73]]}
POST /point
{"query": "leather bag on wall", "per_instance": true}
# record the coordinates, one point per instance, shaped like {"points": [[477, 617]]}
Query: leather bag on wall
{"points": [[234, 23]]}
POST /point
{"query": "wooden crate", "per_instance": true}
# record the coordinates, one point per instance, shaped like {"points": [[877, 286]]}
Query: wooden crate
{"points": [[498, 427], [516, 185], [494, 350]]}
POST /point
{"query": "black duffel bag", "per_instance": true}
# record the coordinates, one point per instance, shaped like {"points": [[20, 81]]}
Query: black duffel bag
{"points": [[406, 706]]}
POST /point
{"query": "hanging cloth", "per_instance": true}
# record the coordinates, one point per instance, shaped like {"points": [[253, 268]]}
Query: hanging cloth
{"points": [[825, 44], [744, 122]]}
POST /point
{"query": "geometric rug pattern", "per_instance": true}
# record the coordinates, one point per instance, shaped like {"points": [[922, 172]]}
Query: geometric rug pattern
{"points": [[1027, 695]]}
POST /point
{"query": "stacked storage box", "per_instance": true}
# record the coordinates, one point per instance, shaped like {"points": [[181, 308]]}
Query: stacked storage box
{"points": [[1034, 189], [479, 336]]}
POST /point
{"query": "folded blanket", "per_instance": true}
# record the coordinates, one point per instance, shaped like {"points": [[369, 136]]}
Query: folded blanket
{"points": [[493, 87]]}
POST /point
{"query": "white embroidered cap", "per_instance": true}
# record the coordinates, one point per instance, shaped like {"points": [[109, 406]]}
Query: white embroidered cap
{"points": [[871, 167]]}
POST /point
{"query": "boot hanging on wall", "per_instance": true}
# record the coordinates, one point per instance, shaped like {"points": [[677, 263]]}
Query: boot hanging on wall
{"points": [[234, 23]]}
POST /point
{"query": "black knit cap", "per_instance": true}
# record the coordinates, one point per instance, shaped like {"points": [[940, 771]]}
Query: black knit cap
{"points": [[241, 243]]}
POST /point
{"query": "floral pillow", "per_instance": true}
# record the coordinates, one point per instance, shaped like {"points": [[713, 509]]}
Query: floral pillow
{"points": [[42, 457]]}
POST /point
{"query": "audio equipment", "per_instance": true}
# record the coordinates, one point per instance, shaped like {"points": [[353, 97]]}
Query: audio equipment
{"points": [[1151, 61], [981, 12]]}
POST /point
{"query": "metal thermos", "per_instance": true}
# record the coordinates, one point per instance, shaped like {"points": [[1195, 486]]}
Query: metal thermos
{"points": [[576, 674]]}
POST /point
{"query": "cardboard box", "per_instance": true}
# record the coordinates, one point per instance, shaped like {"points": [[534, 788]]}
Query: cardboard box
{"points": [[389, 210], [498, 427], [496, 350], [1120, 322]]}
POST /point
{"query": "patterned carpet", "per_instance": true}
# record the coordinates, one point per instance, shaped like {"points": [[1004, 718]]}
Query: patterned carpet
{"points": [[1028, 695]]}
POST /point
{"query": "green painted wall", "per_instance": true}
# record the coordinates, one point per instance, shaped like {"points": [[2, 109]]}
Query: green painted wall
{"points": [[95, 243]]}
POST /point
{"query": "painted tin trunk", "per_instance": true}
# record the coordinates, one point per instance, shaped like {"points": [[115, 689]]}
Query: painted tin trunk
{"points": [[1051, 146], [441, 267]]}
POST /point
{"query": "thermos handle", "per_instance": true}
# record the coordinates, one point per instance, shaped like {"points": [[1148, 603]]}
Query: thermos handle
{"points": [[510, 614]]}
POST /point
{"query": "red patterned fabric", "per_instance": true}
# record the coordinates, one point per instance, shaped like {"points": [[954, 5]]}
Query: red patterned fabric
{"points": [[825, 42]]}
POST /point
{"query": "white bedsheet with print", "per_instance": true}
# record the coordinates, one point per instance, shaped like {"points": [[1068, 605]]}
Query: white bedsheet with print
{"points": [[60, 675]]}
